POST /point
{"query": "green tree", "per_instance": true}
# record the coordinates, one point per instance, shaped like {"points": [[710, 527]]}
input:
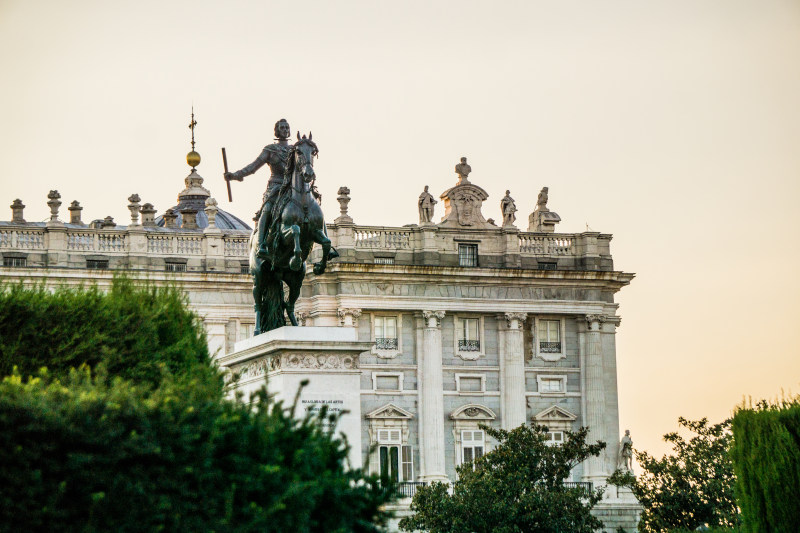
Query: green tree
{"points": [[145, 440], [97, 454], [517, 487], [691, 488], [137, 331], [766, 455]]}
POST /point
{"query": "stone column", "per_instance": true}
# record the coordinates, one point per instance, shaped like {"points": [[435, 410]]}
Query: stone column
{"points": [[431, 399], [595, 469], [512, 370]]}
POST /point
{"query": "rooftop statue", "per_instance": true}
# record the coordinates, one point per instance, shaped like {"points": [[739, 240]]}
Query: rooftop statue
{"points": [[463, 170], [290, 221], [541, 201], [426, 203], [508, 208]]}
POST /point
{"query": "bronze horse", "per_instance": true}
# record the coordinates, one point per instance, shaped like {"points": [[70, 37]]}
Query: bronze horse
{"points": [[298, 223]]}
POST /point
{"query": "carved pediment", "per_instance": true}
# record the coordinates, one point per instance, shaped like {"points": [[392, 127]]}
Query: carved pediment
{"points": [[554, 414], [462, 206], [473, 411], [390, 411]]}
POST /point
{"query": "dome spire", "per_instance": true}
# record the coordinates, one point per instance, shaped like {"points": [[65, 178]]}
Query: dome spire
{"points": [[193, 158]]}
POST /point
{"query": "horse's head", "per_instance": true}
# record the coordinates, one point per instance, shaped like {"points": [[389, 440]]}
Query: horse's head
{"points": [[304, 151]]}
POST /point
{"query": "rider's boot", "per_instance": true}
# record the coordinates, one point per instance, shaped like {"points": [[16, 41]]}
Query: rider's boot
{"points": [[263, 229]]}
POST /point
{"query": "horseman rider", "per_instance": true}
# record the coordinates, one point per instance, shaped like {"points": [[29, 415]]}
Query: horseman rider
{"points": [[276, 155]]}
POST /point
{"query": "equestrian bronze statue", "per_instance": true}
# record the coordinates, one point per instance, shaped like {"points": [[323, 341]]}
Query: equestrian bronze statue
{"points": [[289, 222]]}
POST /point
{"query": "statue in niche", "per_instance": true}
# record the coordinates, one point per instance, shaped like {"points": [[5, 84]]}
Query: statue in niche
{"points": [[541, 201], [463, 170], [426, 203], [626, 452], [508, 208]]}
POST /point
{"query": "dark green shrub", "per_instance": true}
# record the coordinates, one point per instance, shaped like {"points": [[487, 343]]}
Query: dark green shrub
{"points": [[136, 331], [98, 454], [766, 455]]}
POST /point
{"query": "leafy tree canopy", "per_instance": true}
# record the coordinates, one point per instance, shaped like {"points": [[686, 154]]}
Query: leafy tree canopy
{"points": [[517, 487], [97, 454], [137, 331], [691, 488], [766, 455]]}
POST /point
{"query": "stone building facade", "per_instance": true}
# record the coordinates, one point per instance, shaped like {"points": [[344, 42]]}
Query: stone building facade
{"points": [[470, 322]]}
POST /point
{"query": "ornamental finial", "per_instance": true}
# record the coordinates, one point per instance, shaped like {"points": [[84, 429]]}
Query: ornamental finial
{"points": [[193, 158]]}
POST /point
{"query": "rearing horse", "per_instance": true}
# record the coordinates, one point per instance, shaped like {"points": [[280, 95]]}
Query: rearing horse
{"points": [[298, 223]]}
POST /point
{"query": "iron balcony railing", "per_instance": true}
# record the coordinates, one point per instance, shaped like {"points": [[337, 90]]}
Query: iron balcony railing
{"points": [[585, 485], [465, 345], [407, 489], [550, 347], [386, 343]]}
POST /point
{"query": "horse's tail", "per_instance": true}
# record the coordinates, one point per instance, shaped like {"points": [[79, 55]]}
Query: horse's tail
{"points": [[272, 304]]}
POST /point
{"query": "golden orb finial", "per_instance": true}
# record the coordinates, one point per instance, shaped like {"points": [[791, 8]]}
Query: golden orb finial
{"points": [[193, 159]]}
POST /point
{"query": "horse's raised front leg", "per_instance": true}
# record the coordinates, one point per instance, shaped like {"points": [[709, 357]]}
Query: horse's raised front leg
{"points": [[288, 234], [320, 238]]}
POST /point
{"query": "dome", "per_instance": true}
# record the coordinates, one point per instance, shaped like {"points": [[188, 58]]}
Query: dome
{"points": [[194, 196]]}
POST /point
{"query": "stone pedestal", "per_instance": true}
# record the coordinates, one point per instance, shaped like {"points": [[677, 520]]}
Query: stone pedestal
{"points": [[327, 357]]}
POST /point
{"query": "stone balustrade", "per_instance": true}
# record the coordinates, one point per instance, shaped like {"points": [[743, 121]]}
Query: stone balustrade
{"points": [[143, 247]]}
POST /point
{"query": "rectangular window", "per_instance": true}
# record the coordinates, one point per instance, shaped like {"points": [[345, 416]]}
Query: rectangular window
{"points": [[175, 267], [470, 340], [551, 385], [546, 266], [472, 445], [469, 383], [555, 438], [384, 260], [467, 255], [15, 261], [98, 264], [386, 332], [395, 459], [387, 382], [550, 336], [244, 268]]}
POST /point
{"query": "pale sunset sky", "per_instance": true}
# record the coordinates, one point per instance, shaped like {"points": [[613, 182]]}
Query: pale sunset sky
{"points": [[674, 125]]}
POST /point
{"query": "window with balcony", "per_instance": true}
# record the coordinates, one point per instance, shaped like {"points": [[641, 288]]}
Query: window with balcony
{"points": [[549, 336], [470, 340], [395, 458], [385, 328], [467, 255]]}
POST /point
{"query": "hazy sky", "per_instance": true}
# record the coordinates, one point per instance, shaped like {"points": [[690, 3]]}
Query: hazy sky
{"points": [[674, 125]]}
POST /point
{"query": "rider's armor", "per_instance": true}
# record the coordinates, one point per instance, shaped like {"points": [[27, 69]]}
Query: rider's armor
{"points": [[276, 156]]}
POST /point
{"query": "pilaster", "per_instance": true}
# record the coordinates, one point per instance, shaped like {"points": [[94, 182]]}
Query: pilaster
{"points": [[512, 369], [595, 396], [432, 401]]}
